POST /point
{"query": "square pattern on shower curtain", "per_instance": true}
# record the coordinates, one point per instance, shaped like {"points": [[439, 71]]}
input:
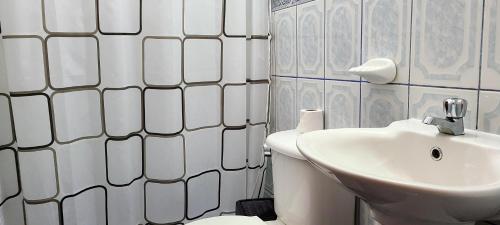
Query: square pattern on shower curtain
{"points": [[127, 112]]}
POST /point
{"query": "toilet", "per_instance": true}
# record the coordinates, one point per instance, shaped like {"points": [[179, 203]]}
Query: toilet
{"points": [[302, 194]]}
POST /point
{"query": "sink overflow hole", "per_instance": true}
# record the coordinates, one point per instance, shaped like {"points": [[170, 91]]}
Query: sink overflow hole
{"points": [[436, 153]]}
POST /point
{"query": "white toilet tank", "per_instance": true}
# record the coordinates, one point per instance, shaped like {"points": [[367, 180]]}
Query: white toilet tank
{"points": [[302, 194]]}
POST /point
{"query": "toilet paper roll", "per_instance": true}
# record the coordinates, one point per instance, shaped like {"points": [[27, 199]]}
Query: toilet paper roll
{"points": [[310, 120]]}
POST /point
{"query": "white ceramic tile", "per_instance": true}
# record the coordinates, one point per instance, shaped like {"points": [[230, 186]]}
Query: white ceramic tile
{"points": [[310, 39], [162, 18], [165, 202], [120, 60], [259, 65], [386, 33], [21, 17], [342, 104], [202, 60], [126, 204], [6, 133], [234, 68], [70, 15], [310, 95], [73, 61], [203, 17], [235, 105], [343, 37], [203, 192], [162, 61], [425, 101], [260, 17], [449, 57], [8, 174], [233, 185], [119, 16], [124, 160], [32, 120], [489, 112], [42, 214], [256, 139], [383, 104], [234, 149], [286, 89], [203, 150], [285, 32], [81, 164], [13, 212], [38, 174], [88, 207], [123, 111], [258, 102], [490, 69], [165, 157], [163, 110], [77, 115], [203, 106], [24, 61], [235, 18]]}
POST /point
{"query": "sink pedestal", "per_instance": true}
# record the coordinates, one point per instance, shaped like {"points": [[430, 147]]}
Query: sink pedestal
{"points": [[394, 220]]}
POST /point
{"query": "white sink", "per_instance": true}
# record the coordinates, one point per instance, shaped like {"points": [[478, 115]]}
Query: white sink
{"points": [[394, 171]]}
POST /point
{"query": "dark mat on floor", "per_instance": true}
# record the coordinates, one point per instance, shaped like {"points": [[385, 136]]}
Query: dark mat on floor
{"points": [[262, 207]]}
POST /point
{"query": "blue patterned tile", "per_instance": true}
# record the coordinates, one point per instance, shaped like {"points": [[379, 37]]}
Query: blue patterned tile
{"points": [[342, 104], [490, 74], [386, 33], [446, 43], [427, 101], [343, 37], [489, 112], [310, 39], [383, 104]]}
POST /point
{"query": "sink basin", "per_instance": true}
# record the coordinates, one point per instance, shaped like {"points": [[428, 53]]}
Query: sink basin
{"points": [[409, 173]]}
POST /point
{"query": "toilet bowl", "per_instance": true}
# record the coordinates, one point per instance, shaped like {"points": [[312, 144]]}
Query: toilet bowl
{"points": [[303, 195]]}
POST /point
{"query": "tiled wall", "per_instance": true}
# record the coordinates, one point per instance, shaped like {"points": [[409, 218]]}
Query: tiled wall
{"points": [[131, 111], [442, 48]]}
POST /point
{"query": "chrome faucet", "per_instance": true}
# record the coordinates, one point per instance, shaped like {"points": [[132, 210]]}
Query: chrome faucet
{"points": [[453, 124]]}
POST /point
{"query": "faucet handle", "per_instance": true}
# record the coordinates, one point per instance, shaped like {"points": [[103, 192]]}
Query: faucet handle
{"points": [[455, 108]]}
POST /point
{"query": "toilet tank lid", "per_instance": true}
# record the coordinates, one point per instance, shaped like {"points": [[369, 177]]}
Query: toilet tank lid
{"points": [[284, 142]]}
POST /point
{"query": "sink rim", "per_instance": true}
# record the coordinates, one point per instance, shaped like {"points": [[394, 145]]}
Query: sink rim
{"points": [[481, 189]]}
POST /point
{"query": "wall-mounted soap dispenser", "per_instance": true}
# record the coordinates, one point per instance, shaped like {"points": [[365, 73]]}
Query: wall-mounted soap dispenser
{"points": [[377, 71]]}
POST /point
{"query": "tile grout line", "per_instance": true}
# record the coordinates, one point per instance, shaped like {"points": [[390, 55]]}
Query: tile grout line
{"points": [[357, 201], [296, 120], [400, 84], [324, 63], [409, 56], [361, 20], [480, 63]]}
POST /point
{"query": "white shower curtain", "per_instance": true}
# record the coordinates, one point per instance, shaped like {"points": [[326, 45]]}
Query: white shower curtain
{"points": [[127, 112]]}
